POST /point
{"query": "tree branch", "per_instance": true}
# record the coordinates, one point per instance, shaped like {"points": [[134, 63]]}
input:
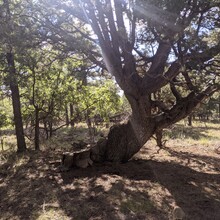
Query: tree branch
{"points": [[175, 92], [151, 83], [184, 107], [160, 58], [201, 58]]}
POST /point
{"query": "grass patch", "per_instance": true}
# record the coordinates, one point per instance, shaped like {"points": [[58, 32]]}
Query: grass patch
{"points": [[51, 213], [8, 143], [136, 205], [200, 131]]}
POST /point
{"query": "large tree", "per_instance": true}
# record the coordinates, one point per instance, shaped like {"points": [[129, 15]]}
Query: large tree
{"points": [[8, 34], [147, 45]]}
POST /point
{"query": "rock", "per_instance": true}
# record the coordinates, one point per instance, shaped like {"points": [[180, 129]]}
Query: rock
{"points": [[178, 213]]}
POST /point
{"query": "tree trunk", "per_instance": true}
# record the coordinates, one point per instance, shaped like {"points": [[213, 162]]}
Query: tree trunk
{"points": [[159, 137], [219, 106], [71, 115], [46, 129], [21, 145], [37, 130], [125, 140], [50, 123], [120, 146], [67, 116], [219, 110], [2, 143], [90, 127], [190, 120]]}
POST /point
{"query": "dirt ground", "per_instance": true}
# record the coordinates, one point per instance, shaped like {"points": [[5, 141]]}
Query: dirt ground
{"points": [[147, 187]]}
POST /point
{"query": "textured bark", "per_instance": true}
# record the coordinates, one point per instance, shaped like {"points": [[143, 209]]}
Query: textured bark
{"points": [[120, 145], [67, 116], [21, 145], [125, 140]]}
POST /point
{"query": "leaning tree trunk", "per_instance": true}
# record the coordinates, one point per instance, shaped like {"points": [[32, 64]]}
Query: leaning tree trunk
{"points": [[121, 144], [125, 140], [21, 145]]}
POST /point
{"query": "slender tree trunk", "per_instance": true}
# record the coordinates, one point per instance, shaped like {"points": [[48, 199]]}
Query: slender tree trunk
{"points": [[90, 127], [159, 137], [219, 110], [71, 115], [189, 120], [46, 129], [21, 145], [2, 143], [67, 116], [37, 130], [219, 106], [51, 127]]}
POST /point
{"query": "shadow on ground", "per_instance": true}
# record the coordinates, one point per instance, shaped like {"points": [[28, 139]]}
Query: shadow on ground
{"points": [[33, 188]]}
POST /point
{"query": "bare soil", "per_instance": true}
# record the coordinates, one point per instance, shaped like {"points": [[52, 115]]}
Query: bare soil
{"points": [[147, 187]]}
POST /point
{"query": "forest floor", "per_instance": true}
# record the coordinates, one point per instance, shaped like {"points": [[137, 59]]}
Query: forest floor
{"points": [[185, 173]]}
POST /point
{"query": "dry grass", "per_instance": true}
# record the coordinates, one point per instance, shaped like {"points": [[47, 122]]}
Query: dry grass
{"points": [[186, 172]]}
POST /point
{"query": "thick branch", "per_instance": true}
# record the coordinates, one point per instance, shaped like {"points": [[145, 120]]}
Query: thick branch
{"points": [[160, 58], [132, 35], [151, 83], [160, 105], [104, 27], [95, 26], [189, 82], [183, 107], [113, 30], [120, 20], [174, 91]]}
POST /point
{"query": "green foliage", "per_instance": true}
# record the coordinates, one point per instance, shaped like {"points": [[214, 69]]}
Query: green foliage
{"points": [[51, 86], [100, 98], [5, 113], [3, 119], [58, 57]]}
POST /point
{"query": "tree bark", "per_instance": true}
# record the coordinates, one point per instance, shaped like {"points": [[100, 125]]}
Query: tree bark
{"points": [[37, 130], [67, 116], [71, 115], [121, 144], [50, 124], [46, 129], [189, 118], [21, 145], [125, 140]]}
